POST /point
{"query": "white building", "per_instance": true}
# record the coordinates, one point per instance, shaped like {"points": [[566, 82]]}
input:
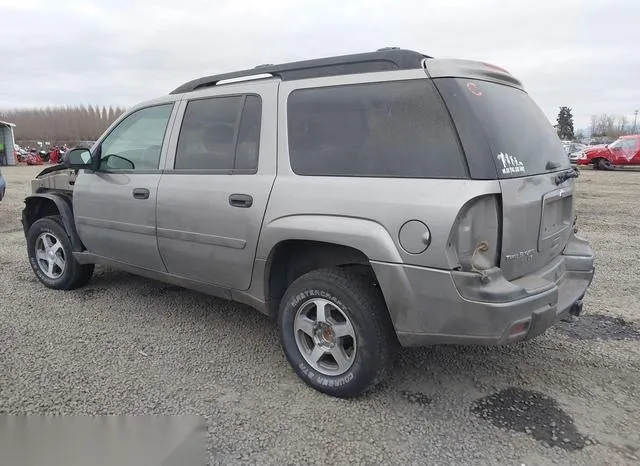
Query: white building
{"points": [[7, 156]]}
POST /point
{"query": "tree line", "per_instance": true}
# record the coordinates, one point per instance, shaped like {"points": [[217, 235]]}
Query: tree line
{"points": [[58, 125], [612, 126], [603, 125]]}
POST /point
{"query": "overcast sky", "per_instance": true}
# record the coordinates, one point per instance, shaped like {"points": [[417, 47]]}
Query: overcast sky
{"points": [[580, 53]]}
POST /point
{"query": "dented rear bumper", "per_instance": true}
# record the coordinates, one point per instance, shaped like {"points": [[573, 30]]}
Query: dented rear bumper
{"points": [[430, 306]]}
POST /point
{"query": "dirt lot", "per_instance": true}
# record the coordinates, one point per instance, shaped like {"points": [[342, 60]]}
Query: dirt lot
{"points": [[128, 345]]}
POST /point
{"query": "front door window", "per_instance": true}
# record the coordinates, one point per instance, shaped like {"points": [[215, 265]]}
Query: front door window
{"points": [[136, 143]]}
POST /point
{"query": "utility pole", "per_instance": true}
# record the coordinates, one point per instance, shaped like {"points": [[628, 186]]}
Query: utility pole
{"points": [[635, 121]]}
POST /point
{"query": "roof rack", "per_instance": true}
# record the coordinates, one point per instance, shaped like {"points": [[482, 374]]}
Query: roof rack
{"points": [[386, 59]]}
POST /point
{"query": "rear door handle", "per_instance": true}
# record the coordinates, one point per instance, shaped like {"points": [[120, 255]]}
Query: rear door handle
{"points": [[241, 200], [141, 193]]}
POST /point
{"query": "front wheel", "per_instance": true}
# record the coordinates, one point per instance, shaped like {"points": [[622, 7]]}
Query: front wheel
{"points": [[604, 164], [51, 256], [336, 332]]}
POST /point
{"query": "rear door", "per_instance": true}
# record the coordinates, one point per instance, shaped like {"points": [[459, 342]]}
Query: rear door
{"points": [[213, 194], [501, 126]]}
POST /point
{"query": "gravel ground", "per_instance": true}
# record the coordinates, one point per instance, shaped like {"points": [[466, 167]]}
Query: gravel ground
{"points": [[126, 345]]}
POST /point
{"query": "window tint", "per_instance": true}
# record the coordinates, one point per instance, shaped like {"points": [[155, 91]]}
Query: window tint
{"points": [[137, 140], [392, 129], [220, 133], [522, 139]]}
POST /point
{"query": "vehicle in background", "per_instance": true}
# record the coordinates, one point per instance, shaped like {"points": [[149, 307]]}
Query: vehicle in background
{"points": [[18, 150], [571, 147], [363, 201], [623, 152], [576, 147], [33, 157]]}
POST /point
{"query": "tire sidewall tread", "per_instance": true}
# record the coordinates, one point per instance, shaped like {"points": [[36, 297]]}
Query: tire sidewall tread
{"points": [[365, 307], [75, 274]]}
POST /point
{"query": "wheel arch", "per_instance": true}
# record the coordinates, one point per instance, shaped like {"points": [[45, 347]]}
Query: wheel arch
{"points": [[292, 258], [305, 242], [42, 205]]}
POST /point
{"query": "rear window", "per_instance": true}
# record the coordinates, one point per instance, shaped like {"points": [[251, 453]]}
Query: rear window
{"points": [[391, 129], [523, 141]]}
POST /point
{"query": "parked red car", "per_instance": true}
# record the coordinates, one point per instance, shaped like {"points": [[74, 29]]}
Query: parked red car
{"points": [[624, 151]]}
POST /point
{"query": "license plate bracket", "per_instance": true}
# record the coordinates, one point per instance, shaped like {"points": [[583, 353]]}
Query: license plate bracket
{"points": [[556, 219]]}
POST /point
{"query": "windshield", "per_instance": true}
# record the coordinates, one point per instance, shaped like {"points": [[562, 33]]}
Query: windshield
{"points": [[522, 140], [616, 144]]}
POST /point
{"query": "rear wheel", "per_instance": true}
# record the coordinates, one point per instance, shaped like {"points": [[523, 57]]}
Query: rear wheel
{"points": [[51, 256], [336, 332]]}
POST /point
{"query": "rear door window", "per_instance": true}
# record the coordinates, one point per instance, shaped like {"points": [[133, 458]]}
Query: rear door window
{"points": [[522, 140], [391, 129], [220, 133]]}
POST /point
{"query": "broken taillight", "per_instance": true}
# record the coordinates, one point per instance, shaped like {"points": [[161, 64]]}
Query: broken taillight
{"points": [[475, 237]]}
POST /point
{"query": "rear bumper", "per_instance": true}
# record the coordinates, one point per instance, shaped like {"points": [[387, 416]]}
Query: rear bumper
{"points": [[427, 307]]}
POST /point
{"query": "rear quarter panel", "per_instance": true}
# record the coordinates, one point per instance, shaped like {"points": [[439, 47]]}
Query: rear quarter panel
{"points": [[364, 213]]}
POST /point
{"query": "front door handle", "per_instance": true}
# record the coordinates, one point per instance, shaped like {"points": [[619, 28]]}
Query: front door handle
{"points": [[141, 193], [241, 200]]}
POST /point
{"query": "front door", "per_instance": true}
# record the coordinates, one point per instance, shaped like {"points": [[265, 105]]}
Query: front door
{"points": [[115, 206], [213, 194]]}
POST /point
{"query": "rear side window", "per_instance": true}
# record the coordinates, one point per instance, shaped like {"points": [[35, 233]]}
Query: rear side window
{"points": [[220, 133], [390, 129]]}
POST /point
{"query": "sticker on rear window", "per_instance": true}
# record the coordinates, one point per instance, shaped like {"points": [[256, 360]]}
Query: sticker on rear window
{"points": [[474, 89], [510, 164]]}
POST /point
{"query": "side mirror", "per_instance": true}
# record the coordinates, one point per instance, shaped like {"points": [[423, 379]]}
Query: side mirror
{"points": [[78, 158], [116, 162]]}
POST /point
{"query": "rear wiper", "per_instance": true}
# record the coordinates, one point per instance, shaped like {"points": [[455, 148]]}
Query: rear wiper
{"points": [[551, 165], [564, 176]]}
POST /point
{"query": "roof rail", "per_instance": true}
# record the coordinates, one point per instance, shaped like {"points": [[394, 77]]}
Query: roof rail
{"points": [[387, 59], [239, 79]]}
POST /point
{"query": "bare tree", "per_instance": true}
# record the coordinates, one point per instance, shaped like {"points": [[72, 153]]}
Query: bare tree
{"points": [[594, 125], [623, 123], [610, 126]]}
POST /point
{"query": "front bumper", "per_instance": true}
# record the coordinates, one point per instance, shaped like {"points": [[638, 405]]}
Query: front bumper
{"points": [[580, 161], [427, 307]]}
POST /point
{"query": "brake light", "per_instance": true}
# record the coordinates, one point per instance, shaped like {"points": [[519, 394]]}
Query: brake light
{"points": [[475, 237]]}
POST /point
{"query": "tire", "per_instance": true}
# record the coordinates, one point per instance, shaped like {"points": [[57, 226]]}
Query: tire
{"points": [[48, 243], [367, 347], [604, 164]]}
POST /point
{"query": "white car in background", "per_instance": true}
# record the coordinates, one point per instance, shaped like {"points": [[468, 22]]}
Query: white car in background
{"points": [[19, 151], [574, 150]]}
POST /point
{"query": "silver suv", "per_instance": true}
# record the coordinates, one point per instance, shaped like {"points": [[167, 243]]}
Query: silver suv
{"points": [[362, 201]]}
